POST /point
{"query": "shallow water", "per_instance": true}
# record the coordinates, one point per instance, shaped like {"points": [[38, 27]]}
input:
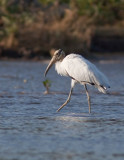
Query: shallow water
{"points": [[31, 129]]}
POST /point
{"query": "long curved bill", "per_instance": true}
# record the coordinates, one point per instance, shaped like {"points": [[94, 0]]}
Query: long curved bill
{"points": [[49, 65]]}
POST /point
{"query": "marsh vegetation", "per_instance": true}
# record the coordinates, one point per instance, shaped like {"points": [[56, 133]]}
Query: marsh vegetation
{"points": [[33, 28]]}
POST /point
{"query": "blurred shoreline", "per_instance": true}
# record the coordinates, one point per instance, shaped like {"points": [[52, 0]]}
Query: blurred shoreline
{"points": [[98, 57], [34, 29]]}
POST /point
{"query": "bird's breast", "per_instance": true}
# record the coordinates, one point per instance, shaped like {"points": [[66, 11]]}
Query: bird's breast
{"points": [[60, 69]]}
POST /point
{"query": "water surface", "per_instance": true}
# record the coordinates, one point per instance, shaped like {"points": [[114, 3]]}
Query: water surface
{"points": [[31, 129]]}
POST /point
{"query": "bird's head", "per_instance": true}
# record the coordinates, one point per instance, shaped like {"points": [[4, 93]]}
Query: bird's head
{"points": [[57, 56]]}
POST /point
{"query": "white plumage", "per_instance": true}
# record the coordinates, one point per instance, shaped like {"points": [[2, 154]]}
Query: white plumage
{"points": [[80, 70]]}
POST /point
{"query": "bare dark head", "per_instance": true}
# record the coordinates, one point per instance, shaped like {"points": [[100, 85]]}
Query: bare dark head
{"points": [[59, 55]]}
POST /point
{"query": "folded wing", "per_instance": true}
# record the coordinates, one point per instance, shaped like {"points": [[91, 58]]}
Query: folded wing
{"points": [[84, 71]]}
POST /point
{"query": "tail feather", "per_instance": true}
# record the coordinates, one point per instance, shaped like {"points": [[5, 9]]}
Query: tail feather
{"points": [[102, 89]]}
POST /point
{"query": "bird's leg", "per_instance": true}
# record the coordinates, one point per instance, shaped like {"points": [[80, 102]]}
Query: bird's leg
{"points": [[88, 97], [68, 99]]}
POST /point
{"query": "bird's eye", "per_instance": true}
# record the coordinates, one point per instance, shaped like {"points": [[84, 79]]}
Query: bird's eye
{"points": [[58, 54]]}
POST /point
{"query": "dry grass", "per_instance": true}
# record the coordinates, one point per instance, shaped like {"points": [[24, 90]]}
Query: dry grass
{"points": [[52, 27]]}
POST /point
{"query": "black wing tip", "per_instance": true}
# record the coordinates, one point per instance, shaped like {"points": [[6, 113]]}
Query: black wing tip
{"points": [[105, 87]]}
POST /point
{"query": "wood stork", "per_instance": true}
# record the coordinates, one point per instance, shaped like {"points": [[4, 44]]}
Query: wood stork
{"points": [[80, 70]]}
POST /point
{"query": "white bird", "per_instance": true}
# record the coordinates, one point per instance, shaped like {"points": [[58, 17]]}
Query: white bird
{"points": [[80, 70]]}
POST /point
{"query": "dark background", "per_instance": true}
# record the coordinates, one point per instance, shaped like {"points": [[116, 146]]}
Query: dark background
{"points": [[35, 28]]}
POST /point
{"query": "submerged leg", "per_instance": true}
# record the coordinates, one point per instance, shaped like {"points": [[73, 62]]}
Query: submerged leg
{"points": [[68, 99], [88, 97]]}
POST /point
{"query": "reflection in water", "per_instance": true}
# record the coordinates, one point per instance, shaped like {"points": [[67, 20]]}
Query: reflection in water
{"points": [[31, 129]]}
